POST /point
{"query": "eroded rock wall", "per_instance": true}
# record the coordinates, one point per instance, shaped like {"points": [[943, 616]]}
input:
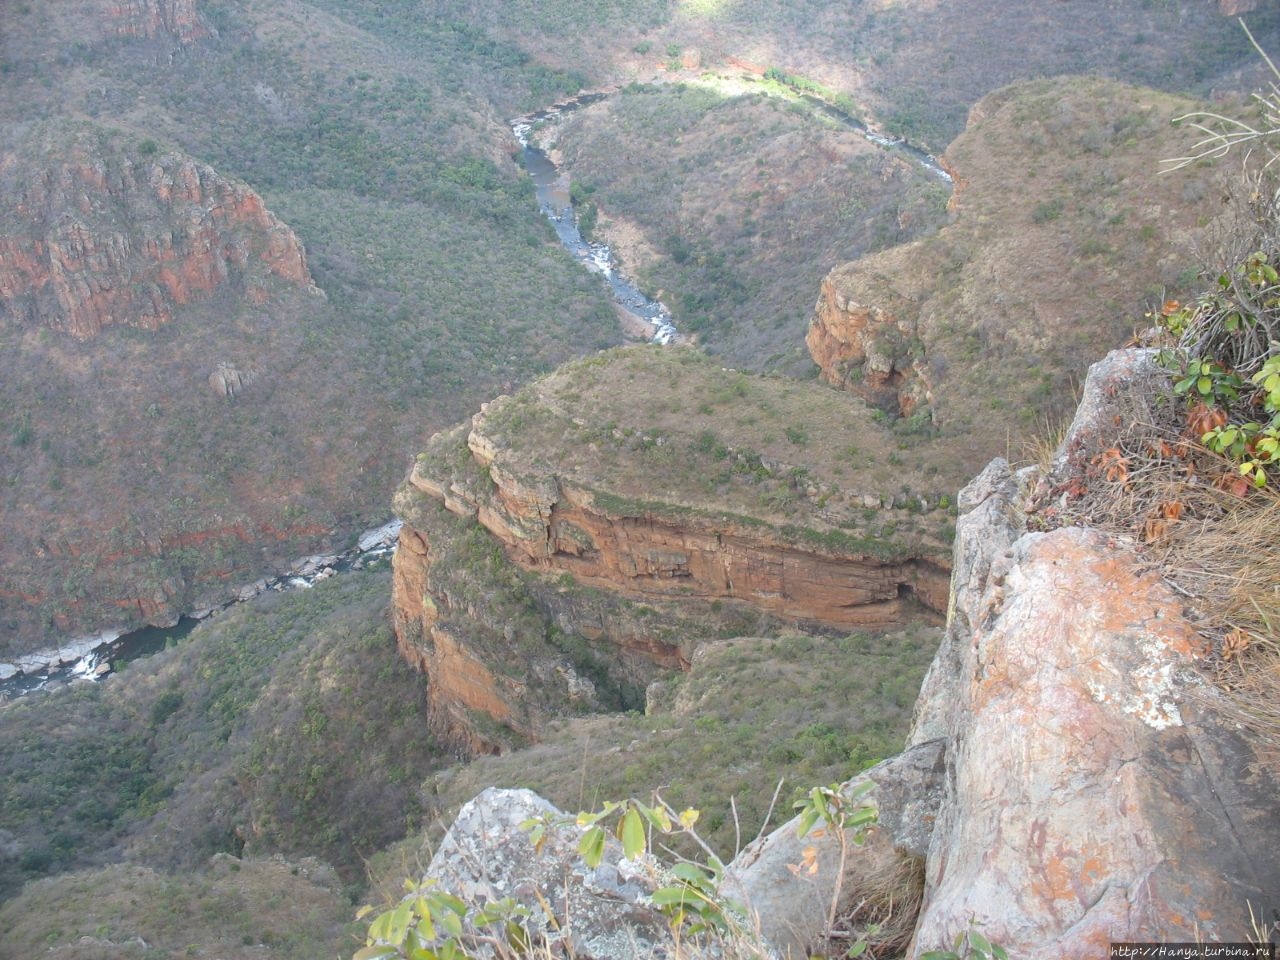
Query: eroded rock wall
{"points": [[94, 236], [176, 19], [1072, 780], [868, 344], [598, 560]]}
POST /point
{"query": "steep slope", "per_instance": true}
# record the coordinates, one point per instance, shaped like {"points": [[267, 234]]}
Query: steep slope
{"points": [[96, 233], [914, 67], [1064, 233], [181, 411], [736, 198]]}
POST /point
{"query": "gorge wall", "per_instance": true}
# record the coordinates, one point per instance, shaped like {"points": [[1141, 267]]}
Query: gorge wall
{"points": [[95, 234], [578, 546], [176, 19], [990, 323], [1073, 779], [139, 287]]}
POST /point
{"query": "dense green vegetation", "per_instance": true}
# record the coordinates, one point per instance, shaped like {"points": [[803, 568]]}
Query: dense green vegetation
{"points": [[752, 711], [288, 725]]}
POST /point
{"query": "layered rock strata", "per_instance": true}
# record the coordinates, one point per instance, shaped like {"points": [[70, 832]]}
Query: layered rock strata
{"points": [[872, 350], [549, 522], [486, 523]]}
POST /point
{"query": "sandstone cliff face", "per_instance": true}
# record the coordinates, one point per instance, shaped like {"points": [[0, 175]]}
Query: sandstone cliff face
{"points": [[872, 350], [1072, 780], [177, 19], [546, 522], [640, 581], [94, 236]]}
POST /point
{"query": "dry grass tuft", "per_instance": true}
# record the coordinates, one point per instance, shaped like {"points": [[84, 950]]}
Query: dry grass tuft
{"points": [[1214, 541], [883, 909]]}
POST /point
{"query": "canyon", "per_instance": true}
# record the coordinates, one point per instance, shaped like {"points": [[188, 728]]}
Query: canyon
{"points": [[1071, 781], [581, 556], [613, 573]]}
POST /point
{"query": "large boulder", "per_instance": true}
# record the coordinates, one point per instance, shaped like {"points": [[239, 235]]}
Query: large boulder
{"points": [[1095, 789], [600, 913], [787, 882]]}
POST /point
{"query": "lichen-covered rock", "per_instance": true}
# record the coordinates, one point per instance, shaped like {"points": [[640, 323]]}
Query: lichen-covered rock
{"points": [[601, 913], [1092, 794], [1095, 790]]}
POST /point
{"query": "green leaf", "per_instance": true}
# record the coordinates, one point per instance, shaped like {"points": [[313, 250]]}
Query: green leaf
{"points": [[398, 925], [631, 833], [591, 846], [451, 903], [518, 937], [426, 929], [378, 952], [668, 896], [380, 926], [693, 875], [979, 941], [451, 924]]}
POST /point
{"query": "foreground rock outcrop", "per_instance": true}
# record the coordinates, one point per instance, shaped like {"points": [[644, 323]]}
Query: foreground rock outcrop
{"points": [[1071, 780], [596, 913], [95, 233]]}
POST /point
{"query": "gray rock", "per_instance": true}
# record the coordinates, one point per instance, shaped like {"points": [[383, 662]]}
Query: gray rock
{"points": [[1094, 791], [990, 522], [1121, 389], [600, 914]]}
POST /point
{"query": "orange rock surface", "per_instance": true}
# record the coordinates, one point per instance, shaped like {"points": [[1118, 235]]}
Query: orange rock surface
{"points": [[99, 239], [549, 524], [867, 349]]}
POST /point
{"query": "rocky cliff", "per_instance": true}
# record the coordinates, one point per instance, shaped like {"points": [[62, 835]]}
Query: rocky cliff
{"points": [[97, 232], [1072, 780], [664, 514], [176, 19], [989, 324], [871, 350]]}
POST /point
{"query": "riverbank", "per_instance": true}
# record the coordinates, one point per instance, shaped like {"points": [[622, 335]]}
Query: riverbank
{"points": [[94, 656]]}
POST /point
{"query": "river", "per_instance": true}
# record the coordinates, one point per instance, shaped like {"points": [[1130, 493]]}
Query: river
{"points": [[556, 202], [94, 656]]}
